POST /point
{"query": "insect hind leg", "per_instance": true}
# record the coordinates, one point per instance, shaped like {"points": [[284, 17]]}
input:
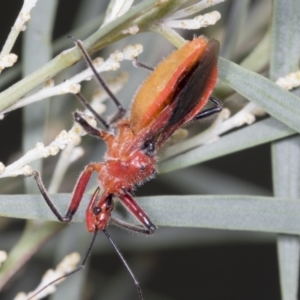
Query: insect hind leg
{"points": [[210, 111]]}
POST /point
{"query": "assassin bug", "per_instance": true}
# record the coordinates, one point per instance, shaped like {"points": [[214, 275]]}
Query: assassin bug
{"points": [[172, 96]]}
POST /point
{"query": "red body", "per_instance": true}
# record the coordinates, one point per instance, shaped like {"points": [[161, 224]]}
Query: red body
{"points": [[172, 96]]}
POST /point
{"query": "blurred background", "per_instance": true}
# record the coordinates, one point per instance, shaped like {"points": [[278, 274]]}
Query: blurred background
{"points": [[175, 263]]}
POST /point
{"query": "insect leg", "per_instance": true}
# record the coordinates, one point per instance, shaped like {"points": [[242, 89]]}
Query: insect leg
{"points": [[138, 212], [89, 129], [131, 227], [87, 105], [138, 64], [210, 111], [121, 111], [77, 194]]}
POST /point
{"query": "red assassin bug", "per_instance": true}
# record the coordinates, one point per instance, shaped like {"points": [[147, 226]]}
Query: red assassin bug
{"points": [[173, 95]]}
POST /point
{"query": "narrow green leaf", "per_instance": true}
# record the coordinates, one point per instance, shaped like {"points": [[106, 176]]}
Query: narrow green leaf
{"points": [[285, 44], [235, 27], [286, 167], [279, 103], [256, 134], [265, 214], [285, 38]]}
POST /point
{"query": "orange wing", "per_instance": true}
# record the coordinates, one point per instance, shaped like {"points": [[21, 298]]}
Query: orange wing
{"points": [[175, 92]]}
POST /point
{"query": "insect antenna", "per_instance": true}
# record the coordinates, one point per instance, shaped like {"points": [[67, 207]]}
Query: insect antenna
{"points": [[139, 290], [83, 263], [121, 110]]}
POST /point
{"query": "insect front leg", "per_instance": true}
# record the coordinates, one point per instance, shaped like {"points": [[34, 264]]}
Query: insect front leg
{"points": [[89, 129], [87, 105], [77, 194], [138, 212]]}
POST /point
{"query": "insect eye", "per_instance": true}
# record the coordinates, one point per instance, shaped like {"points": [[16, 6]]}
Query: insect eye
{"points": [[148, 147], [96, 210]]}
